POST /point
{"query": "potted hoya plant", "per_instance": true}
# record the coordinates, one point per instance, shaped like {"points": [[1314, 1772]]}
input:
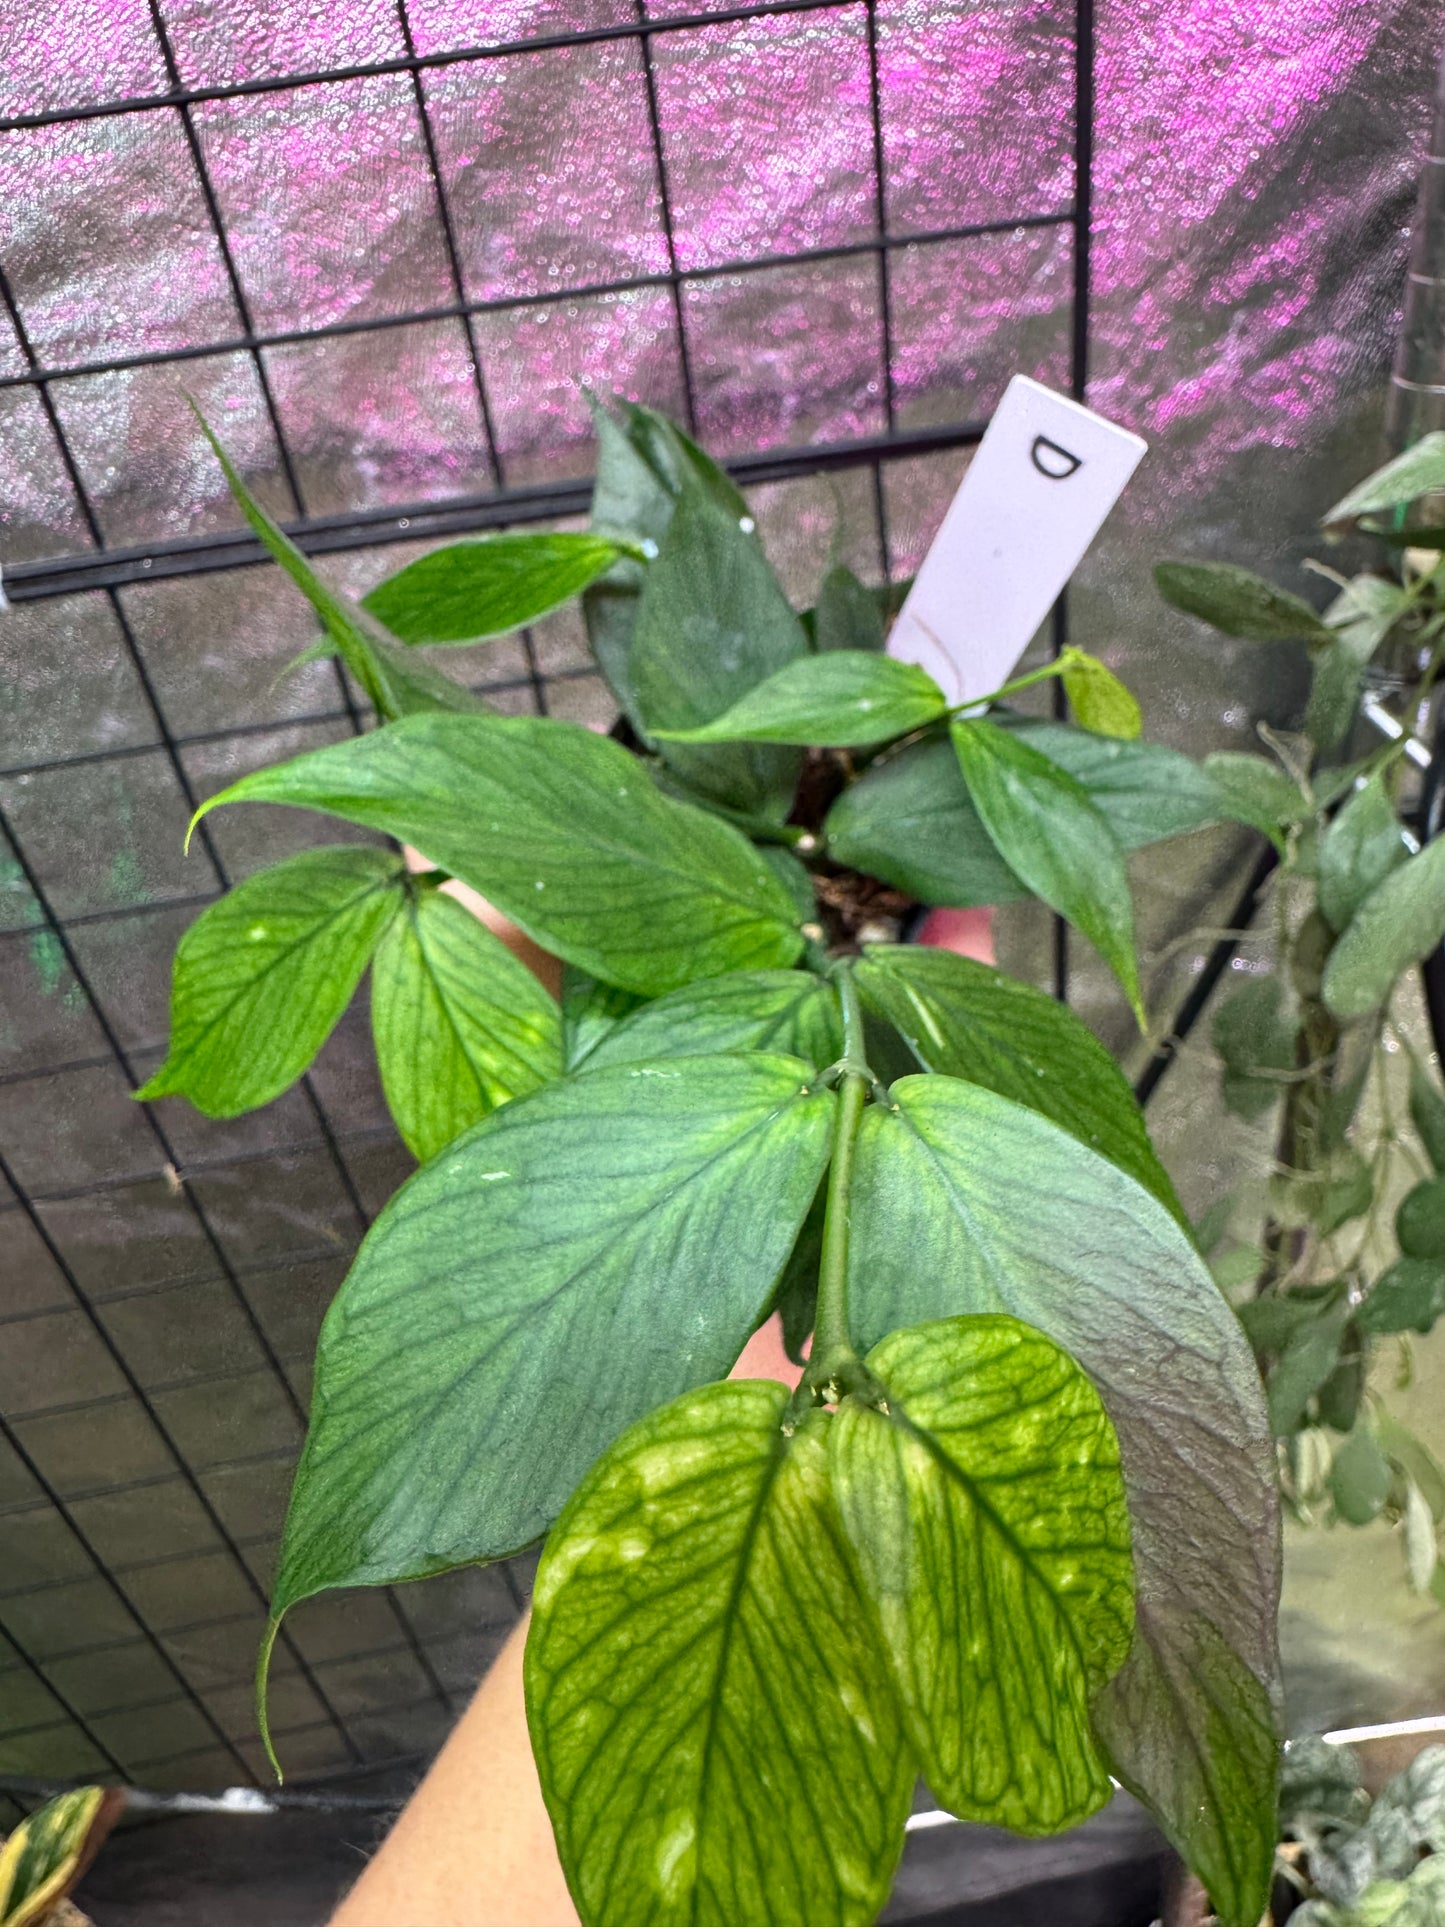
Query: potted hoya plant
{"points": [[1016, 1531]]}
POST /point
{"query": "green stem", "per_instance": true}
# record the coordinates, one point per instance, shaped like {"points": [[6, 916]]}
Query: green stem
{"points": [[832, 1346]]}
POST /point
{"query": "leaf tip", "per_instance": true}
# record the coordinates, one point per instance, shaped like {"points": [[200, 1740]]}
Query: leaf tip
{"points": [[263, 1671]]}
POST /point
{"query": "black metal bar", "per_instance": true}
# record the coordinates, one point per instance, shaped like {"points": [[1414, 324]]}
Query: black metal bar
{"points": [[673, 276]]}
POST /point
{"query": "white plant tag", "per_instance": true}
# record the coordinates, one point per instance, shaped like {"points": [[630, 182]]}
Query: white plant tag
{"points": [[1046, 474]]}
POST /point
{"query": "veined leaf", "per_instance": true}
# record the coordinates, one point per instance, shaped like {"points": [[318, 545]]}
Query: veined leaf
{"points": [[713, 622], [1050, 833], [717, 1739], [1145, 791], [576, 1258], [965, 1203], [460, 1024], [563, 832], [590, 1009], [1398, 923], [847, 615], [1358, 851], [488, 585], [965, 1019], [987, 1519], [395, 684], [1420, 470], [843, 697], [1257, 790], [1099, 700], [262, 976], [1238, 602], [777, 1010]]}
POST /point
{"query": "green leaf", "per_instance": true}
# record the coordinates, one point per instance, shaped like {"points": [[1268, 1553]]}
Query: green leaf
{"points": [[1414, 1458], [712, 623], [964, 1203], [1099, 700], [717, 1740], [1257, 790], [1360, 1478], [775, 1010], [985, 1509], [847, 615], [796, 1298], [1420, 1221], [590, 1009], [1308, 1358], [1419, 471], [46, 1854], [1238, 602], [1416, 1798], [1325, 1193], [1427, 1114], [488, 585], [836, 700], [1399, 922], [563, 832], [1050, 833], [395, 685], [1422, 1546], [965, 1019], [1257, 1036], [1146, 791], [1358, 851], [1364, 613], [262, 976], [460, 1024], [578, 1257]]}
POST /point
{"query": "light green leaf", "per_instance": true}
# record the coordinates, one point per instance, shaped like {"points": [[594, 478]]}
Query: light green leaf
{"points": [[714, 1729], [964, 1019], [1257, 790], [563, 832], [488, 585], [1238, 602], [1360, 1478], [1420, 1220], [262, 976], [1358, 851], [1050, 833], [1419, 471], [395, 685], [1422, 1547], [1364, 613], [1427, 1114], [1399, 922], [777, 1010], [712, 623], [590, 1009], [572, 1261], [460, 1024], [1099, 700], [839, 699], [965, 1203], [1256, 1033], [986, 1513], [847, 615]]}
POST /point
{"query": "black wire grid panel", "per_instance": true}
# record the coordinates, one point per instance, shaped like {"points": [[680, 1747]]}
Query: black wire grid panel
{"points": [[164, 1278]]}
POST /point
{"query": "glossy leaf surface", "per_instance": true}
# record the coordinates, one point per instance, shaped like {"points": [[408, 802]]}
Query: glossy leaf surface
{"points": [[460, 1024], [563, 832], [714, 1728], [833, 700], [262, 976], [775, 1010], [966, 1203], [1400, 920], [965, 1019], [986, 1514], [487, 586], [572, 1261], [1238, 602]]}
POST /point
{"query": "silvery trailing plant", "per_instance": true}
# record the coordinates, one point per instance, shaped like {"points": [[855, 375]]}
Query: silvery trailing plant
{"points": [[1017, 1530], [1339, 1257], [1358, 1862]]}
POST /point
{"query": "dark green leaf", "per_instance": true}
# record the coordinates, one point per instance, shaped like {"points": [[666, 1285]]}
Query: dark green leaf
{"points": [[794, 876], [1398, 923], [1358, 851], [263, 975], [460, 1024], [1145, 790], [1427, 1114], [395, 684], [1419, 471], [1422, 536], [590, 1009], [715, 1733], [1360, 1478], [578, 1257], [1238, 602], [712, 623], [1098, 699], [563, 832], [1257, 790], [965, 1203], [1337, 1402], [1272, 1321], [1309, 1356], [1053, 837], [985, 1509], [847, 615], [964, 1019], [796, 1298], [1337, 682], [1420, 1221], [488, 585], [777, 1010], [836, 700], [1257, 1036]]}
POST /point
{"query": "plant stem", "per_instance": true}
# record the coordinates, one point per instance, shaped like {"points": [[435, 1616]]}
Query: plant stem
{"points": [[832, 1345]]}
